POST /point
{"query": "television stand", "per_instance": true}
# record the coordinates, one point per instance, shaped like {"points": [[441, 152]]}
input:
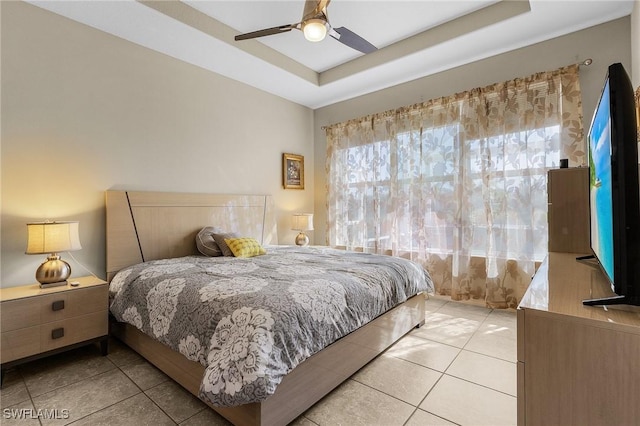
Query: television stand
{"points": [[613, 300], [590, 260], [577, 364]]}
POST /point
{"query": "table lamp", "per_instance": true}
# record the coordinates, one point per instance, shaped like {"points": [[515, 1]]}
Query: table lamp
{"points": [[52, 238], [302, 222]]}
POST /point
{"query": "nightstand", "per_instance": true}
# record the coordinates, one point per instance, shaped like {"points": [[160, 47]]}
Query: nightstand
{"points": [[37, 322]]}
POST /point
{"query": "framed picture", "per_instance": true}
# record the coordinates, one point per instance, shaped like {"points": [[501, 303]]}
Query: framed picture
{"points": [[293, 171]]}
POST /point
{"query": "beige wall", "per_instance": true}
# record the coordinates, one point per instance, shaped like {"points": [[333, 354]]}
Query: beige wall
{"points": [[84, 111], [605, 44]]}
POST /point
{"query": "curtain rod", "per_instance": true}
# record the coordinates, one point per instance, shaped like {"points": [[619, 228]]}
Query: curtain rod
{"points": [[584, 63]]}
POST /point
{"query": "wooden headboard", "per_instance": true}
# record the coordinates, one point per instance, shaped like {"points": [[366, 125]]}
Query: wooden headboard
{"points": [[144, 226]]}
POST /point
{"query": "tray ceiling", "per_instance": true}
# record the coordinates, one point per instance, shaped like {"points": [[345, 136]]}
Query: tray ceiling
{"points": [[415, 38]]}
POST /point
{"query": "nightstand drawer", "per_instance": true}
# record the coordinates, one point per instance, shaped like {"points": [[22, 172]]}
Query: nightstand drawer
{"points": [[30, 311], [20, 343], [21, 313], [57, 334], [88, 300], [55, 307]]}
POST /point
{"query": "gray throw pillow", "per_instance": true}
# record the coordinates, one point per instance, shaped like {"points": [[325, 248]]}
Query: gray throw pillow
{"points": [[219, 239], [205, 242]]}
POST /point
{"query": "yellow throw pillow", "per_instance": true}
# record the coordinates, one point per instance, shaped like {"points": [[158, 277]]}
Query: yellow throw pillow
{"points": [[245, 247]]}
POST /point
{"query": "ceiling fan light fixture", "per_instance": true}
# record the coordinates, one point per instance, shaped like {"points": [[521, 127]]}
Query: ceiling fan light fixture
{"points": [[314, 29]]}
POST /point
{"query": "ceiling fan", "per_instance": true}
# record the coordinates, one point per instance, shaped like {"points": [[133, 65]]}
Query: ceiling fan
{"points": [[315, 26]]}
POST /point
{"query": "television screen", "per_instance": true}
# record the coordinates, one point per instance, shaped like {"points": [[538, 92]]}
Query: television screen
{"points": [[614, 192], [600, 185]]}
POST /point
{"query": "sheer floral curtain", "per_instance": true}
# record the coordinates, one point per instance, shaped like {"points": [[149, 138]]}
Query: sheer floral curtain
{"points": [[458, 183]]}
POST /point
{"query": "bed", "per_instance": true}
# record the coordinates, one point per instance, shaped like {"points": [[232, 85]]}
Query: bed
{"points": [[150, 231]]}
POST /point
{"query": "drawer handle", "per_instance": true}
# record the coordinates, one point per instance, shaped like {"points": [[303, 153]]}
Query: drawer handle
{"points": [[57, 305], [57, 333]]}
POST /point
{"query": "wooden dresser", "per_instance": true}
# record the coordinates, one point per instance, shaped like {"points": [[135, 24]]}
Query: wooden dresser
{"points": [[577, 365], [37, 322]]}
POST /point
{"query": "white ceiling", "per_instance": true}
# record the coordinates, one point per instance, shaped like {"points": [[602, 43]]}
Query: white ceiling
{"points": [[415, 38]]}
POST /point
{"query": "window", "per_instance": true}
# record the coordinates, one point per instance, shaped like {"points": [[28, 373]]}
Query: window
{"points": [[456, 179]]}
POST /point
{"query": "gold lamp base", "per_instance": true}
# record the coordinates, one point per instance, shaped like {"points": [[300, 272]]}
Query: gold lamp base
{"points": [[302, 240], [53, 272]]}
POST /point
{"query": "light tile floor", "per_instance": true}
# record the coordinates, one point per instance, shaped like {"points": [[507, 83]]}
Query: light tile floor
{"points": [[458, 368]]}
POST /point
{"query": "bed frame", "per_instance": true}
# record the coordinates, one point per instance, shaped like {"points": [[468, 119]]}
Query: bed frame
{"points": [[144, 226]]}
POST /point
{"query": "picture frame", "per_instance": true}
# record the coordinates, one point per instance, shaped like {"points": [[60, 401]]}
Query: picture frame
{"points": [[292, 171]]}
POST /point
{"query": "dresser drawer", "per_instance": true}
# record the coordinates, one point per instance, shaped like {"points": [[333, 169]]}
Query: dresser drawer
{"points": [[20, 343], [57, 334]]}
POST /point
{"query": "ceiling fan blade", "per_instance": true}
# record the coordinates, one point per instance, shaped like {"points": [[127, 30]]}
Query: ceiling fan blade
{"points": [[351, 39], [266, 32]]}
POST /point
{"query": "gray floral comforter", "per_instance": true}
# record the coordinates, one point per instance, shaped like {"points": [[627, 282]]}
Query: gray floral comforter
{"points": [[250, 321]]}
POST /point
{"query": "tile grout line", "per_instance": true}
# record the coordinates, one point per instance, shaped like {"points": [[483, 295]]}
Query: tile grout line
{"points": [[378, 390], [464, 349], [142, 391], [451, 363], [425, 397], [68, 384], [159, 407], [115, 367], [145, 395], [33, 404], [442, 374], [31, 397]]}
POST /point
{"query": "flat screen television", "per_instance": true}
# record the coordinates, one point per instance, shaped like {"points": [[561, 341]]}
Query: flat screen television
{"points": [[614, 194]]}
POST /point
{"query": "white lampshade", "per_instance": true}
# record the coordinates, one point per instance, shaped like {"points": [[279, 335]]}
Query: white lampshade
{"points": [[302, 222], [314, 29], [52, 237]]}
